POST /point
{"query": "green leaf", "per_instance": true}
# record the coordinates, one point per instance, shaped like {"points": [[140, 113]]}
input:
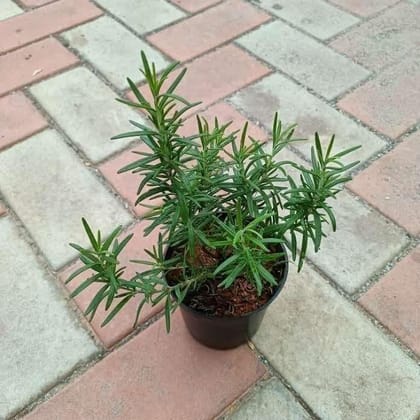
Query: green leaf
{"points": [[116, 309], [90, 234]]}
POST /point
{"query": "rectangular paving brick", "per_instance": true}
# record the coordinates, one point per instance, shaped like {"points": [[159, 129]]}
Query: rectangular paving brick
{"points": [[395, 300], [33, 63], [362, 236], [18, 119], [35, 3], [152, 374], [140, 16], [391, 102], [193, 6], [364, 7], [311, 15], [334, 357], [295, 104], [89, 115], [383, 40], [8, 9], [302, 58], [3, 209], [113, 50], [36, 24], [391, 184], [217, 74], [207, 30], [51, 190], [122, 324], [271, 401], [41, 339], [127, 183]]}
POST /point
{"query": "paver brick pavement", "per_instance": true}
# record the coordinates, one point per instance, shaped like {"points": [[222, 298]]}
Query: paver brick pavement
{"points": [[51, 190], [193, 6], [311, 15], [33, 63], [157, 376], [39, 23], [395, 300], [299, 56], [391, 184], [207, 30], [389, 103], [364, 7], [9, 9], [14, 109], [334, 357], [41, 340]]}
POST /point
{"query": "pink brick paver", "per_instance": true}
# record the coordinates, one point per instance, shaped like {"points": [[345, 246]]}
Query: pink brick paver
{"points": [[207, 30], [364, 7], [46, 20], [157, 376], [194, 5], [391, 102], [126, 183], [3, 209], [383, 40], [33, 63], [391, 184], [123, 323], [217, 74], [18, 119], [395, 300]]}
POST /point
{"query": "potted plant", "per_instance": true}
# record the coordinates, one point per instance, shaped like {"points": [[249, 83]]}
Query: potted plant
{"points": [[230, 210]]}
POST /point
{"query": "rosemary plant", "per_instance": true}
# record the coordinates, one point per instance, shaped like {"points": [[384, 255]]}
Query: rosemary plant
{"points": [[220, 192]]}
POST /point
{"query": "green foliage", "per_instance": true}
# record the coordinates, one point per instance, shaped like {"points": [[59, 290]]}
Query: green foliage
{"points": [[221, 192]]}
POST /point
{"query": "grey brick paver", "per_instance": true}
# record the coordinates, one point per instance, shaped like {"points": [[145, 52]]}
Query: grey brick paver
{"points": [[87, 111], [273, 401], [295, 104], [40, 339], [113, 50], [316, 17], [142, 15], [50, 190], [8, 8], [306, 60], [362, 236], [334, 357]]}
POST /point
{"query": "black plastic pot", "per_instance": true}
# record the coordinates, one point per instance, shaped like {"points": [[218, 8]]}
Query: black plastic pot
{"points": [[228, 332]]}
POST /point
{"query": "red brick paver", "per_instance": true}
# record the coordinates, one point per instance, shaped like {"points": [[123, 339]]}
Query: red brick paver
{"points": [[123, 323], [391, 184], [55, 17], [18, 119], [391, 102], [364, 7], [395, 300], [383, 40], [126, 183], [207, 30], [157, 376], [33, 63], [218, 74], [194, 5], [3, 209]]}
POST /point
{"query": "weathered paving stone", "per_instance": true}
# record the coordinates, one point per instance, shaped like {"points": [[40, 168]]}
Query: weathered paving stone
{"points": [[364, 7], [40, 339], [383, 40], [362, 236], [313, 16], [50, 190], [156, 376], [306, 60], [193, 6], [272, 401], [139, 15], [334, 357], [113, 50], [395, 300], [87, 111], [8, 9], [296, 105]]}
